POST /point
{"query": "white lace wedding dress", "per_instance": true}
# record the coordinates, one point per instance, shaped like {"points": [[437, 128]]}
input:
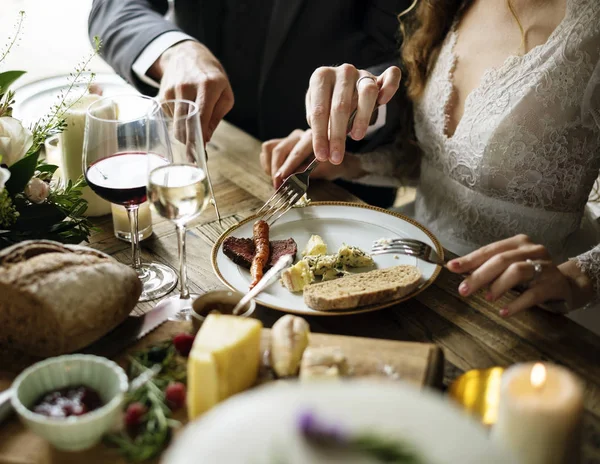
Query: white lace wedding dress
{"points": [[526, 153]]}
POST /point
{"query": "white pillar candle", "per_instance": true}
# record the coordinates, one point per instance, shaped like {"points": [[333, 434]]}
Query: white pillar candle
{"points": [[71, 142], [121, 220], [540, 413]]}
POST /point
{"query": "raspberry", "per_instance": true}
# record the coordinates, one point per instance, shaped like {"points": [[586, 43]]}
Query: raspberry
{"points": [[175, 395], [134, 414], [183, 343]]}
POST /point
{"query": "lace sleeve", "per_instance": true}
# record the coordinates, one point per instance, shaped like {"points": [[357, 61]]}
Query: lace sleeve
{"points": [[388, 166], [589, 263]]}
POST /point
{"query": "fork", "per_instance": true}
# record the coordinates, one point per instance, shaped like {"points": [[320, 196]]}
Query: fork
{"points": [[409, 247], [295, 186], [287, 195]]}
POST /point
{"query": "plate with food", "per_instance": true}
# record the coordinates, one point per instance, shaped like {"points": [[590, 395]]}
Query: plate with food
{"points": [[333, 272]]}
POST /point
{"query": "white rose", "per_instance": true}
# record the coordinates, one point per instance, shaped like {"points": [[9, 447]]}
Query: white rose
{"points": [[37, 190], [15, 140], [4, 176]]}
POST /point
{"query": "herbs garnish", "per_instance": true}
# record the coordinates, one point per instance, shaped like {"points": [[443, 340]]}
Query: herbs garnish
{"points": [[150, 437]]}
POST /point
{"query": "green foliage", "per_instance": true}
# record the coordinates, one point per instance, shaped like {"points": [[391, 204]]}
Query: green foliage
{"points": [[21, 172], [154, 433], [8, 211], [7, 78]]}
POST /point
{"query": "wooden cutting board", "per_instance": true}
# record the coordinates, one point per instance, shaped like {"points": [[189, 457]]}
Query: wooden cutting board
{"points": [[418, 363]]}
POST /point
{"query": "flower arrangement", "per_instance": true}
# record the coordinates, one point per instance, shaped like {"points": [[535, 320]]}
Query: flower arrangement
{"points": [[32, 204]]}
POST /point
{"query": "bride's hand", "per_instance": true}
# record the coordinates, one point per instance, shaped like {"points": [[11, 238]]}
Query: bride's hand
{"points": [[333, 94], [504, 265], [281, 158]]}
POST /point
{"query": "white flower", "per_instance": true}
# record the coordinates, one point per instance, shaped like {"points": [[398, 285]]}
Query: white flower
{"points": [[4, 176], [15, 140], [37, 190]]}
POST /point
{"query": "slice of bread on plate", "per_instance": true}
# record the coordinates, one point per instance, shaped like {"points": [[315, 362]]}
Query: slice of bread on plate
{"points": [[368, 288]]}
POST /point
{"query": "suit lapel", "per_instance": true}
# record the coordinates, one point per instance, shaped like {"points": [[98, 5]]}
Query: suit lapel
{"points": [[282, 18]]}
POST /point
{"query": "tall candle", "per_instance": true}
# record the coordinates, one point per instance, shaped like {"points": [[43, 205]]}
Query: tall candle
{"points": [[121, 221], [540, 413], [71, 142]]}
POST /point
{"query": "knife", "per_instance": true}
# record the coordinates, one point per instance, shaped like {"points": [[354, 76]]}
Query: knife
{"points": [[213, 200], [134, 328]]}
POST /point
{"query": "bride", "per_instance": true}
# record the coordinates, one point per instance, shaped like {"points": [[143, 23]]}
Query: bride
{"points": [[506, 117]]}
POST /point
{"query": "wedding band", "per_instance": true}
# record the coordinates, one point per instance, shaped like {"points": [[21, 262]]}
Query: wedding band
{"points": [[365, 77], [537, 270]]}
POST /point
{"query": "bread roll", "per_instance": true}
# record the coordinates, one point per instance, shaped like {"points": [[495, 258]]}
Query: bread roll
{"points": [[56, 299]]}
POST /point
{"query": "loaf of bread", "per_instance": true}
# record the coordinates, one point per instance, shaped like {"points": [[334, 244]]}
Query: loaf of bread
{"points": [[56, 299], [368, 288]]}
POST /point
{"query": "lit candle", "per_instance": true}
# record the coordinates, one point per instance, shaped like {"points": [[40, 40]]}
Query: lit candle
{"points": [[121, 221], [71, 143], [540, 412]]}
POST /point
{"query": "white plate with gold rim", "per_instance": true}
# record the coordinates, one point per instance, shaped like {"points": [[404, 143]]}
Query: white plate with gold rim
{"points": [[263, 426], [337, 223]]}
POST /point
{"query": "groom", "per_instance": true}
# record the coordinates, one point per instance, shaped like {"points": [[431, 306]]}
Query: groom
{"points": [[249, 60]]}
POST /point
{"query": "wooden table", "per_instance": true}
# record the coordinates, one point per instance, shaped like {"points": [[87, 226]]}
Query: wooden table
{"points": [[469, 330]]}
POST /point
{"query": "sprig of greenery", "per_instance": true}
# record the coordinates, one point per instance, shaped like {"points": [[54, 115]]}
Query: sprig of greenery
{"points": [[154, 433], [54, 122], [13, 40]]}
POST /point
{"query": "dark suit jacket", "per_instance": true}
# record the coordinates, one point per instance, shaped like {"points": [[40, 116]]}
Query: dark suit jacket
{"points": [[302, 35]]}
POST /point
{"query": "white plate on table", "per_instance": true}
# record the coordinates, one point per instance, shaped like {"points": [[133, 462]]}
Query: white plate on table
{"points": [[261, 426], [36, 99], [337, 223]]}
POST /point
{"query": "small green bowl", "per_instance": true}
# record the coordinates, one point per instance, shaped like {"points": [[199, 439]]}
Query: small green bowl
{"points": [[74, 433]]}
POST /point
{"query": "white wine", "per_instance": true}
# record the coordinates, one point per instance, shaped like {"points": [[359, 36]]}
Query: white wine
{"points": [[178, 192]]}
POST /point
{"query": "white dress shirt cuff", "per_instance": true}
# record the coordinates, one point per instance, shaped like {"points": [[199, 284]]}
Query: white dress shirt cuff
{"points": [[153, 51], [379, 122]]}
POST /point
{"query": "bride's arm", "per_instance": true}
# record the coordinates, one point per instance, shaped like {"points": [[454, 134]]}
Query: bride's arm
{"points": [[388, 166], [584, 275]]}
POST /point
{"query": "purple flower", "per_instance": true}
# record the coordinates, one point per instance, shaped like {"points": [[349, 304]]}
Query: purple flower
{"points": [[320, 433]]}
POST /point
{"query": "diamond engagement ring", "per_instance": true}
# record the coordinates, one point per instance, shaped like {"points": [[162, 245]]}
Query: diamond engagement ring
{"points": [[537, 270], [365, 77]]}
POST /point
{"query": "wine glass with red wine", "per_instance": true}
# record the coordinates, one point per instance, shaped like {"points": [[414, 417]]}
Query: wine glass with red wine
{"points": [[178, 190], [115, 163]]}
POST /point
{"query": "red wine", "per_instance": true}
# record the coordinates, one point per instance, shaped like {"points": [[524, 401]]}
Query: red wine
{"points": [[122, 178]]}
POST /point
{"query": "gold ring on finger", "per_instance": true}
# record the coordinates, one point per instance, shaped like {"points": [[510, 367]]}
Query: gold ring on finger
{"points": [[537, 271]]}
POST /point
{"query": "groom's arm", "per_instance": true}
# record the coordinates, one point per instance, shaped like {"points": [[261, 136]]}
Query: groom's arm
{"points": [[126, 28]]}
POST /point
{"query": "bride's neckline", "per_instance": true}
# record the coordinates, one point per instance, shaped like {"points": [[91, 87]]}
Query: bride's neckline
{"points": [[509, 62]]}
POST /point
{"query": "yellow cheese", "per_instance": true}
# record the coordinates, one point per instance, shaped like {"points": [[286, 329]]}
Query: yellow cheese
{"points": [[224, 360], [354, 257], [298, 276], [315, 247]]}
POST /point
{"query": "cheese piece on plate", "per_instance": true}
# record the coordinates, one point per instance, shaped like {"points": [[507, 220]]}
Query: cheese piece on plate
{"points": [[224, 360], [315, 247], [354, 257], [323, 363], [298, 276]]}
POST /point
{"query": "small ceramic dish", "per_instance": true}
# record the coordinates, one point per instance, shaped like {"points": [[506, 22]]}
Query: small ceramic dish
{"points": [[218, 300], [73, 433]]}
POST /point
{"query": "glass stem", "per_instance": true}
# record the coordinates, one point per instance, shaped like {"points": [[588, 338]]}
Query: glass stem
{"points": [[184, 293], [132, 213]]}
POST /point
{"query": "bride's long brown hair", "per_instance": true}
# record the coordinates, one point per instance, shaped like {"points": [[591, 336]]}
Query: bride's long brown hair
{"points": [[424, 25]]}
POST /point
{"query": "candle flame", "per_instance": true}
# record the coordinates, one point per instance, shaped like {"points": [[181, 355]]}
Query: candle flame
{"points": [[538, 375]]}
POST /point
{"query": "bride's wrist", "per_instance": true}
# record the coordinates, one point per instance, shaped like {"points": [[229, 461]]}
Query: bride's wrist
{"points": [[581, 285]]}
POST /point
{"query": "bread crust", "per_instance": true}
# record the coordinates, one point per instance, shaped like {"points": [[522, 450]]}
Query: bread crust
{"points": [[56, 299]]}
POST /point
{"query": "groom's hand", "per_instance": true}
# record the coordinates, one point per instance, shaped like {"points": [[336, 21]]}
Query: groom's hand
{"points": [[188, 70]]}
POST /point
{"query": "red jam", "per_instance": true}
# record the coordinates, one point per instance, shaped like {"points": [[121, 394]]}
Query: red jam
{"points": [[69, 401]]}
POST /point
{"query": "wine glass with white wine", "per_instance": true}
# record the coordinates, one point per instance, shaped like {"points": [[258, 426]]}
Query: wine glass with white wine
{"points": [[178, 190]]}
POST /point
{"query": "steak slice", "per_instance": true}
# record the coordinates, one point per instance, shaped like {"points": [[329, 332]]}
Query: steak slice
{"points": [[241, 250]]}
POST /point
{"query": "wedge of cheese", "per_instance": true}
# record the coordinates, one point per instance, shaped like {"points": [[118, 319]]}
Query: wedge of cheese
{"points": [[224, 360]]}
